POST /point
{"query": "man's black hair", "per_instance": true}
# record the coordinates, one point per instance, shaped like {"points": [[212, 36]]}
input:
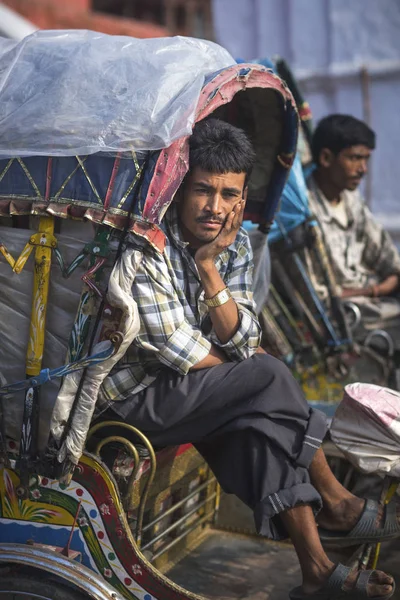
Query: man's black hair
{"points": [[218, 147], [337, 132]]}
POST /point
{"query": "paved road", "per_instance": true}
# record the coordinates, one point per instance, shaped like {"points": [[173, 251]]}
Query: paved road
{"points": [[233, 567], [237, 567]]}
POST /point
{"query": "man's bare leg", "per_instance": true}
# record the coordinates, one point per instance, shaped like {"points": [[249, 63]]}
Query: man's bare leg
{"points": [[315, 565], [341, 509]]}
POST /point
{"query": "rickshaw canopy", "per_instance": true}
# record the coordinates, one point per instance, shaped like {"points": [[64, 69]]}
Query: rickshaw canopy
{"points": [[86, 151], [82, 92]]}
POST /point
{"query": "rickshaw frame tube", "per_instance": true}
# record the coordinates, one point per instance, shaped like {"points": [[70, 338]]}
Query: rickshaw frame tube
{"points": [[54, 563]]}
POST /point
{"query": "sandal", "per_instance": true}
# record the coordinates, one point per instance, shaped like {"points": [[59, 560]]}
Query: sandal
{"points": [[365, 531], [333, 588]]}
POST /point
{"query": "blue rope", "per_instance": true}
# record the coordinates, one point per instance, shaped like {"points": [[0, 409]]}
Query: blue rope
{"points": [[46, 375]]}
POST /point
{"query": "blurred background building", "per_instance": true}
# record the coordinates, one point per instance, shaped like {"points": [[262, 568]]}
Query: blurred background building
{"points": [[138, 18], [180, 17], [345, 55], [80, 14]]}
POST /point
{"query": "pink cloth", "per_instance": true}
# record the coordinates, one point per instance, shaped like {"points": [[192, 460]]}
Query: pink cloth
{"points": [[366, 428]]}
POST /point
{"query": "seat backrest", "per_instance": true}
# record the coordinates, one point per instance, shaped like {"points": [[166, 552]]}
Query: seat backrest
{"points": [[15, 316]]}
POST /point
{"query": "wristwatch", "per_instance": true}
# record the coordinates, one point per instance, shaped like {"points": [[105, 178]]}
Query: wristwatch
{"points": [[219, 299]]}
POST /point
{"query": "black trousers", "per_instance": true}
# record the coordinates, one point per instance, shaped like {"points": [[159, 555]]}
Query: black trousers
{"points": [[251, 423]]}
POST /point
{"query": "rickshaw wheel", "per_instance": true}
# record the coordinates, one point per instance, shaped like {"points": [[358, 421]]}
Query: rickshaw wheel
{"points": [[36, 585]]}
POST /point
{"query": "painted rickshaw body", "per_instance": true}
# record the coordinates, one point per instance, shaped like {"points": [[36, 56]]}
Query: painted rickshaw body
{"points": [[122, 514]]}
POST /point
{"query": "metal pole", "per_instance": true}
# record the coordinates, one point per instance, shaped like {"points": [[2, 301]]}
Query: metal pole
{"points": [[367, 117], [35, 349]]}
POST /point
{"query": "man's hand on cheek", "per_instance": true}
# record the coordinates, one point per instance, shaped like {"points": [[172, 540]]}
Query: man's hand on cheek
{"points": [[226, 236]]}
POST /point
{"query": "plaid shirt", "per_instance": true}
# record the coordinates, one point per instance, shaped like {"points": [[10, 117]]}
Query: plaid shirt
{"points": [[175, 326]]}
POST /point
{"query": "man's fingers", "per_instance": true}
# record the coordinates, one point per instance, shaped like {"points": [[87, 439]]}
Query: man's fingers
{"points": [[231, 225], [238, 214], [229, 221], [234, 216]]}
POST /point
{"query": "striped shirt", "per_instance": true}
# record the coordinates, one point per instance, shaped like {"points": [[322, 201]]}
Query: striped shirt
{"points": [[175, 325]]}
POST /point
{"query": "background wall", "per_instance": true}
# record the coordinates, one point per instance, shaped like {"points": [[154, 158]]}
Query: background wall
{"points": [[328, 43]]}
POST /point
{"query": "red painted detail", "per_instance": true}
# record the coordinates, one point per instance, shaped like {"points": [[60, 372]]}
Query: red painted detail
{"points": [[119, 541], [107, 199], [48, 178], [305, 112], [182, 449], [151, 232]]}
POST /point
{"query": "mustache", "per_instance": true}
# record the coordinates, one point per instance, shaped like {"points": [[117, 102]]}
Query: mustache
{"points": [[210, 219]]}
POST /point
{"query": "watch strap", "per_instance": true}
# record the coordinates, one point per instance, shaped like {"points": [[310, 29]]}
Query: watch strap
{"points": [[219, 299]]}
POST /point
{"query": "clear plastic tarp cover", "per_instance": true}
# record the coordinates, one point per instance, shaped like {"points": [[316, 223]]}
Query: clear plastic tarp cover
{"points": [[78, 92]]}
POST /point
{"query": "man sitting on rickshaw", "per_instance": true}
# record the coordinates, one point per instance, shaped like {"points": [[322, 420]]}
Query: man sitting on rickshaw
{"points": [[196, 373], [364, 259]]}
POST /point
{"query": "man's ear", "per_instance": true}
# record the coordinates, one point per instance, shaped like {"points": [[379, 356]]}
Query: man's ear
{"points": [[245, 192], [326, 158]]}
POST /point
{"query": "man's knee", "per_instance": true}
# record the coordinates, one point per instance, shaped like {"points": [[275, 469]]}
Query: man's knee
{"points": [[273, 374], [267, 364]]}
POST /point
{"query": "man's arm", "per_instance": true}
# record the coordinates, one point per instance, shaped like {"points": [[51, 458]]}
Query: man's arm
{"points": [[164, 329], [214, 357], [235, 323], [387, 287], [225, 318], [380, 254]]}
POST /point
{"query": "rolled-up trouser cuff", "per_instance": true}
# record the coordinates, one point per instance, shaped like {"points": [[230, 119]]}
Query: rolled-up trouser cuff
{"points": [[313, 438], [267, 512]]}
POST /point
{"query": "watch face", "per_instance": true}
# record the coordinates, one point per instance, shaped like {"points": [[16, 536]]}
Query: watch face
{"points": [[224, 296]]}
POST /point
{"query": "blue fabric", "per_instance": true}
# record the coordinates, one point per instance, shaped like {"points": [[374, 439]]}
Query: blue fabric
{"points": [[249, 226], [266, 62], [293, 209], [24, 180]]}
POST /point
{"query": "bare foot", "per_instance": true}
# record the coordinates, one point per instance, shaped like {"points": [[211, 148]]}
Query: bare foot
{"points": [[380, 584]]}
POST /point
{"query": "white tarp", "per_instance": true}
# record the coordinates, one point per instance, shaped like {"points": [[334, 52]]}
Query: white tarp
{"points": [[366, 428], [78, 92]]}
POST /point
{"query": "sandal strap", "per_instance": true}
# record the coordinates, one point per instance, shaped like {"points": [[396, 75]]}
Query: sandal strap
{"points": [[338, 578], [366, 526], [366, 523], [361, 587], [390, 523]]}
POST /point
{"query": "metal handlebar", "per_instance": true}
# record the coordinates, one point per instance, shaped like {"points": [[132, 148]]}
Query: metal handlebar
{"points": [[356, 312], [381, 333]]}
